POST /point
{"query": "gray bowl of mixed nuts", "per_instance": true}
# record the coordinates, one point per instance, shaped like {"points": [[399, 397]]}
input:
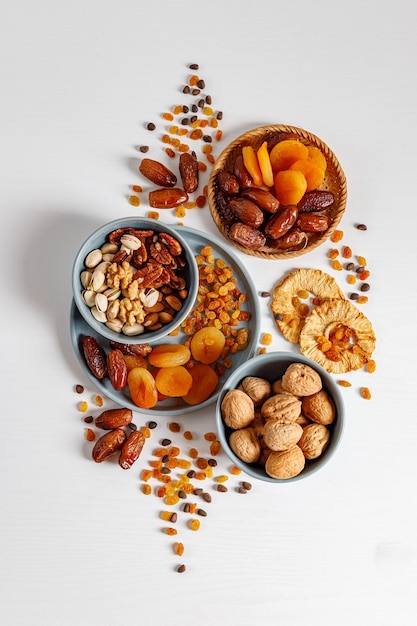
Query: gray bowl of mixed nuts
{"points": [[280, 417], [134, 280]]}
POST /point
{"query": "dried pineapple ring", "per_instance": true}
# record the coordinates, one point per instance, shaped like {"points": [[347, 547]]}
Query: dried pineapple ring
{"points": [[289, 316], [344, 355]]}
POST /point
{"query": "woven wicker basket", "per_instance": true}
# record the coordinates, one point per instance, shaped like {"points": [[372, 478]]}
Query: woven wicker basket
{"points": [[334, 181]]}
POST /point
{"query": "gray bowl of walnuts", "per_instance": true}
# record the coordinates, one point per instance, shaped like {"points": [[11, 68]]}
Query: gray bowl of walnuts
{"points": [[280, 417]]}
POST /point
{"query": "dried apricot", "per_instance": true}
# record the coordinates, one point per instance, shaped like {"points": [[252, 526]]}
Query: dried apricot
{"points": [[169, 355], [174, 381], [285, 153], [316, 155], [205, 381], [207, 344], [265, 165], [251, 163], [313, 174], [290, 186], [142, 388]]}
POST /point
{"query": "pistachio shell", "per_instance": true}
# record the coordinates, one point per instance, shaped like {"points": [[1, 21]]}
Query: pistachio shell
{"points": [[98, 280], [89, 297], [93, 258], [85, 278], [100, 316], [131, 242], [101, 302], [115, 325], [134, 329], [149, 297]]}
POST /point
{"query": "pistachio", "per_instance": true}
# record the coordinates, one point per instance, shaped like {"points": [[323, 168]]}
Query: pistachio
{"points": [[133, 329], [149, 297], [112, 294], [113, 310], [89, 297], [102, 267], [108, 257], [101, 302], [109, 248], [130, 242], [100, 316], [115, 325], [98, 280], [93, 258], [85, 278]]}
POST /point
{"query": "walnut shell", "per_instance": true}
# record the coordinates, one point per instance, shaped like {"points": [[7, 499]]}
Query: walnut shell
{"points": [[281, 435], [245, 444], [285, 464], [283, 406], [314, 440], [301, 380], [237, 409], [259, 389], [319, 408]]}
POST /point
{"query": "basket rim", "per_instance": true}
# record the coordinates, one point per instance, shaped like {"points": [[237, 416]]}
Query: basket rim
{"points": [[266, 131]]}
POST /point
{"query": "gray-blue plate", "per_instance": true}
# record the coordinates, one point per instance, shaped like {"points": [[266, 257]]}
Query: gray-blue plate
{"points": [[176, 406]]}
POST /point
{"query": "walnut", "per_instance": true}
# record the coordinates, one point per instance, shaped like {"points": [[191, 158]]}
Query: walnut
{"points": [[245, 444], [281, 435], [259, 389], [285, 464], [314, 440], [319, 408], [258, 423], [302, 420], [283, 406], [237, 408], [301, 380]]}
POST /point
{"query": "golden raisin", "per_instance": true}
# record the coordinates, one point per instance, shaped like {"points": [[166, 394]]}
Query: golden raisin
{"points": [[362, 260], [210, 436], [99, 401], [351, 279], [174, 427], [337, 236], [362, 300], [195, 524], [344, 383], [334, 253], [346, 252], [90, 434], [188, 435], [365, 393], [146, 489], [223, 478], [266, 339], [336, 265], [371, 366], [179, 549], [83, 406]]}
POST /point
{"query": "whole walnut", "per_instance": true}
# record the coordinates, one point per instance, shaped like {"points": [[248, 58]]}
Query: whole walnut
{"points": [[314, 440], [286, 464], [283, 406], [280, 435], [237, 408], [319, 408], [259, 389], [245, 444], [301, 380]]}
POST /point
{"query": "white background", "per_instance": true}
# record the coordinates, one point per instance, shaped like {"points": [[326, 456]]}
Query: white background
{"points": [[80, 544]]}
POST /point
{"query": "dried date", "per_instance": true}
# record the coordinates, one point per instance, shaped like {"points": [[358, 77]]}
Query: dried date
{"points": [[108, 445], [246, 211], [294, 238], [114, 418], [228, 183], [247, 236], [95, 356], [312, 222], [281, 222], [244, 178], [131, 449], [188, 166], [117, 369], [167, 198], [263, 198], [157, 173], [316, 201]]}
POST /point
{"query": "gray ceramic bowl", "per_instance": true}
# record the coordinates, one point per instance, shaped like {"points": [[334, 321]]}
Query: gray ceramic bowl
{"points": [[96, 240], [272, 366]]}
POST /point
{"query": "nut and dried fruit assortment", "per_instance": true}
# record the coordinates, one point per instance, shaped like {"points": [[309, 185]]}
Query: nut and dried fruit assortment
{"points": [[189, 131], [189, 368], [279, 424], [272, 197], [332, 332], [135, 282]]}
